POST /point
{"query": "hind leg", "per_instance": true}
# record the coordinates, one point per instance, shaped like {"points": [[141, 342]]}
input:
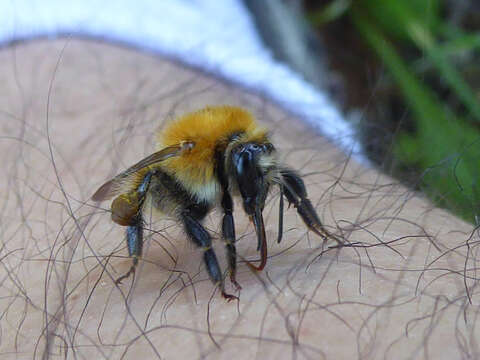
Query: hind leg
{"points": [[135, 223], [134, 244]]}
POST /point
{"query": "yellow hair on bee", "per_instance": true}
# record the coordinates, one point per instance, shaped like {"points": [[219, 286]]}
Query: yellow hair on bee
{"points": [[208, 128]]}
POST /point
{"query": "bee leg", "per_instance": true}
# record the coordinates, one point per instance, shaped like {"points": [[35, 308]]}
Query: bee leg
{"points": [[228, 224], [296, 193], [197, 233], [135, 228], [228, 230], [134, 244]]}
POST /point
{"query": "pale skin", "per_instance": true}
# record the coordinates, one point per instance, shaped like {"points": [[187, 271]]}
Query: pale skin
{"points": [[410, 295]]}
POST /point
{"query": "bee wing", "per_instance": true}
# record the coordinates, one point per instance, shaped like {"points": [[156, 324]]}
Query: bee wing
{"points": [[114, 186]]}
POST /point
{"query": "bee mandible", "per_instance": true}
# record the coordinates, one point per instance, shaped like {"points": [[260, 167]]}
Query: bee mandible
{"points": [[205, 158]]}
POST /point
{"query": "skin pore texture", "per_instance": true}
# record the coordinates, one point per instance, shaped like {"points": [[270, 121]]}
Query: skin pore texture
{"points": [[73, 113]]}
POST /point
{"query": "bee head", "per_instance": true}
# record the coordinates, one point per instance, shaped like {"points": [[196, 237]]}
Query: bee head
{"points": [[248, 167], [250, 163]]}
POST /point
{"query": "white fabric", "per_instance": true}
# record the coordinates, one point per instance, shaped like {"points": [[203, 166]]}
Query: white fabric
{"points": [[217, 36]]}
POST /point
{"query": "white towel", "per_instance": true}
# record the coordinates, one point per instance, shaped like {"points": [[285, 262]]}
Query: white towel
{"points": [[216, 36]]}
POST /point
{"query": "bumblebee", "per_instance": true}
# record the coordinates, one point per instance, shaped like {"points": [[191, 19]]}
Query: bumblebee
{"points": [[204, 159]]}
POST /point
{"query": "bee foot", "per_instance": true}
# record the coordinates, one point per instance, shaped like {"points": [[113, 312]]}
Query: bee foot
{"points": [[236, 284], [125, 276], [229, 297], [260, 267]]}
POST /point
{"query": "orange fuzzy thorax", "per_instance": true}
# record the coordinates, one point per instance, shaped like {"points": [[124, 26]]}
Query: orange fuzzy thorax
{"points": [[208, 128]]}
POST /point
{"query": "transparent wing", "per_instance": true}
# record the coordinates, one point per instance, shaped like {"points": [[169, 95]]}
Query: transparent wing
{"points": [[114, 186]]}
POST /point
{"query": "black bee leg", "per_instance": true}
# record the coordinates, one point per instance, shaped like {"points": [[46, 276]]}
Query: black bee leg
{"points": [[135, 228], [197, 233], [296, 194], [134, 244], [228, 225], [228, 230]]}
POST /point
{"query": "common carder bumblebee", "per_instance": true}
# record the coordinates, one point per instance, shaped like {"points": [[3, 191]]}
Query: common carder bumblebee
{"points": [[205, 158]]}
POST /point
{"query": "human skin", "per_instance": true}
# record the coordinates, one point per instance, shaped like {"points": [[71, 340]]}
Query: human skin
{"points": [[73, 113]]}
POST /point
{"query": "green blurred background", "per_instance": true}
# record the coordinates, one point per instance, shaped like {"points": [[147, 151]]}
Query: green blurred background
{"points": [[412, 67]]}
